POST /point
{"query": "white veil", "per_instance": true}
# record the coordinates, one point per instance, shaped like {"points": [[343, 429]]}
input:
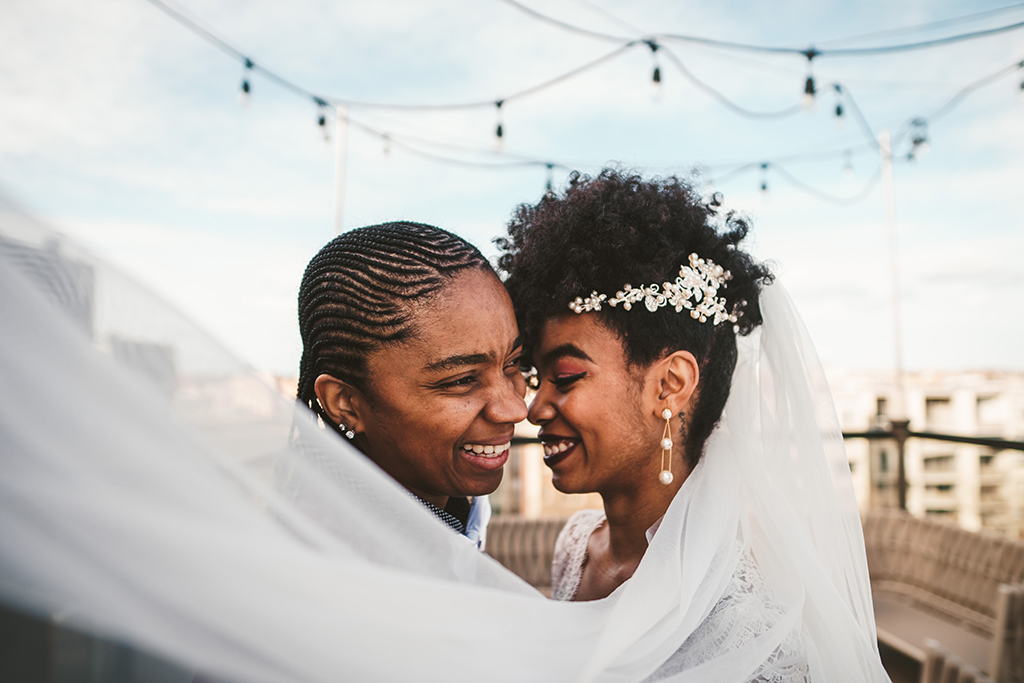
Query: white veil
{"points": [[155, 492]]}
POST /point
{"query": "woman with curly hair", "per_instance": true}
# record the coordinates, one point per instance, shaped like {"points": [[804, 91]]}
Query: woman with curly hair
{"points": [[632, 296]]}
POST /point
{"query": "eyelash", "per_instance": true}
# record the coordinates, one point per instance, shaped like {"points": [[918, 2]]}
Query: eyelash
{"points": [[564, 381], [460, 382]]}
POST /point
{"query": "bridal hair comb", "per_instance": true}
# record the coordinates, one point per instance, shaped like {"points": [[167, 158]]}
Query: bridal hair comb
{"points": [[696, 289]]}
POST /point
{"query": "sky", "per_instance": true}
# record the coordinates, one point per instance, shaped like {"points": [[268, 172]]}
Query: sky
{"points": [[126, 131]]}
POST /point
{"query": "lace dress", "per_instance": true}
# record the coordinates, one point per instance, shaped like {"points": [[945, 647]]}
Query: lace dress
{"points": [[745, 611]]}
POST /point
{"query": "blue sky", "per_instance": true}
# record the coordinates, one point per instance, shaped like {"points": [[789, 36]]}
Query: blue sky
{"points": [[123, 129]]}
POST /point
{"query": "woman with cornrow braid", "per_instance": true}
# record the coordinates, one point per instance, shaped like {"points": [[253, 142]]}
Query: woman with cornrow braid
{"points": [[411, 351]]}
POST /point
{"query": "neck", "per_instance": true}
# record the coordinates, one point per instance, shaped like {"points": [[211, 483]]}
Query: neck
{"points": [[631, 512]]}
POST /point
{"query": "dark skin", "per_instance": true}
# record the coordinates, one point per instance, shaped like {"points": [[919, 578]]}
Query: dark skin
{"points": [[601, 423], [455, 385]]}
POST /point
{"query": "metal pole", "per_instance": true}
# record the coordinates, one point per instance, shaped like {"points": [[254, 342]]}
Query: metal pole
{"points": [[340, 148], [898, 416]]}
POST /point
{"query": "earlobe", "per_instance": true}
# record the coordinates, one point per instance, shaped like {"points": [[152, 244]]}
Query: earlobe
{"points": [[341, 402]]}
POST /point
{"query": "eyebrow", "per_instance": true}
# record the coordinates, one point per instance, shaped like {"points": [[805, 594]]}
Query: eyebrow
{"points": [[462, 360], [567, 350]]}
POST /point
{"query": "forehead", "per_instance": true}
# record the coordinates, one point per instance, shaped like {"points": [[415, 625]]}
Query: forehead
{"points": [[471, 315], [580, 336]]}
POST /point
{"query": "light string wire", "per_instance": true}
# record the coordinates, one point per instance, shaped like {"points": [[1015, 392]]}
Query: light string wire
{"points": [[936, 114], [408, 143], [809, 52]]}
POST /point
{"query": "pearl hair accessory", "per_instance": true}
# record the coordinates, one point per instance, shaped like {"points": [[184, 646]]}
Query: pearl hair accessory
{"points": [[696, 289], [665, 477]]}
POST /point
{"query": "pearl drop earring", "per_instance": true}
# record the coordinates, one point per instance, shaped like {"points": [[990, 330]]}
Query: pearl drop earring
{"points": [[349, 434], [666, 449]]}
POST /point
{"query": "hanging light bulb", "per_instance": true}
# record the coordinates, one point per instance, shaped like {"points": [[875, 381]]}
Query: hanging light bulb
{"points": [[387, 144], [808, 99], [499, 131], [321, 118], [551, 168], [809, 92], [840, 121], [656, 73], [919, 145], [1021, 91], [243, 93], [847, 165], [764, 179]]}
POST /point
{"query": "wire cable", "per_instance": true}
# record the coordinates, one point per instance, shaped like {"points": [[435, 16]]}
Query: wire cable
{"points": [[564, 24], [954, 101], [809, 52], [966, 18], [827, 196], [722, 99]]}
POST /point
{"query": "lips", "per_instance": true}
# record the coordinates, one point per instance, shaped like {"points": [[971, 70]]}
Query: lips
{"points": [[486, 456], [557, 449]]}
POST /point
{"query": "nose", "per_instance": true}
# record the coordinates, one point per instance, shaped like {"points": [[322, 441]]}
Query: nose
{"points": [[541, 410], [506, 405]]}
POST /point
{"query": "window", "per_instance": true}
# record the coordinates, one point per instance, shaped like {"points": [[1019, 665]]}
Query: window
{"points": [[939, 489], [988, 410], [881, 406], [939, 463], [937, 411], [883, 461]]}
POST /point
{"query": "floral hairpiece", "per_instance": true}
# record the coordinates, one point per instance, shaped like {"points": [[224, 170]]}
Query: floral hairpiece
{"points": [[696, 289]]}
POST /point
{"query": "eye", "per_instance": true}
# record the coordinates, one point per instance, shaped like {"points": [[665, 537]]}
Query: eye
{"points": [[460, 382], [512, 365], [565, 381]]}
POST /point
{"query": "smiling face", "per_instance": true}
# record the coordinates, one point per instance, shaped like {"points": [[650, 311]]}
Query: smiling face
{"points": [[597, 415], [441, 407]]}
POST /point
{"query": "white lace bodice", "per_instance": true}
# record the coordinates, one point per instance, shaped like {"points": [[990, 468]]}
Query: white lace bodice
{"points": [[745, 611]]}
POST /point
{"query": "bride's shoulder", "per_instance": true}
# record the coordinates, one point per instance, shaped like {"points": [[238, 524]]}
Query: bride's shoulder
{"points": [[571, 552]]}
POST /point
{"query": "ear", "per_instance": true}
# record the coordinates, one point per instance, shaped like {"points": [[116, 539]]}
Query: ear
{"points": [[678, 374], [342, 403]]}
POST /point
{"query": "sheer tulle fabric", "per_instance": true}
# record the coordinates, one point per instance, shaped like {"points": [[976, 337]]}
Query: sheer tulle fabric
{"points": [[156, 492]]}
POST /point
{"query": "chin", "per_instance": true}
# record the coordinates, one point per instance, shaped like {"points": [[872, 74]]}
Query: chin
{"points": [[486, 487], [567, 485]]}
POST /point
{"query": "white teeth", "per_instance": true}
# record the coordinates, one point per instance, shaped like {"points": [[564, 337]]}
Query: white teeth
{"points": [[486, 451], [556, 448]]}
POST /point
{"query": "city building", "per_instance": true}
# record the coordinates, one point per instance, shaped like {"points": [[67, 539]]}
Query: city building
{"points": [[974, 486]]}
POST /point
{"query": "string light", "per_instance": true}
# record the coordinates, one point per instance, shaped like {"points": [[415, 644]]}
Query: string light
{"points": [[656, 73], [840, 121], [243, 94], [499, 131], [551, 173], [847, 165], [919, 145], [919, 142], [321, 119], [809, 92]]}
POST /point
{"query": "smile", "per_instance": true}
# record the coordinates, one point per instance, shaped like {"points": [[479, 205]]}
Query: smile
{"points": [[555, 451], [486, 451], [486, 457]]}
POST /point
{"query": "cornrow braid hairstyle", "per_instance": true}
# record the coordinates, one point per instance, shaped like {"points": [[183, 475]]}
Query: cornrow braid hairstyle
{"points": [[358, 294]]}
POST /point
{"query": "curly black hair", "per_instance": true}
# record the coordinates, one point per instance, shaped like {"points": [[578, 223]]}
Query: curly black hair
{"points": [[617, 228]]}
